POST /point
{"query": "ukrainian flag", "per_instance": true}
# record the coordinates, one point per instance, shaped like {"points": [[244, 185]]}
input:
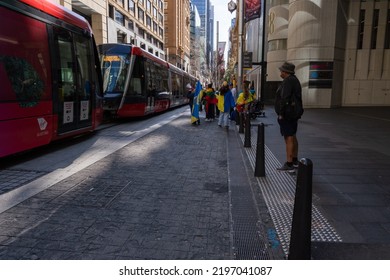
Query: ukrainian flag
{"points": [[195, 107]]}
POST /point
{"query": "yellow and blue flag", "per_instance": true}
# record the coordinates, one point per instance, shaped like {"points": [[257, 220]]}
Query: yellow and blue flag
{"points": [[195, 106]]}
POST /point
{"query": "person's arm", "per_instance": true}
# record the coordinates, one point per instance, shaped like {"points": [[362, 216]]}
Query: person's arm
{"points": [[286, 91]]}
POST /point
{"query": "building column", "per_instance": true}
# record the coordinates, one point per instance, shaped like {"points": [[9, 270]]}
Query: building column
{"points": [[99, 27]]}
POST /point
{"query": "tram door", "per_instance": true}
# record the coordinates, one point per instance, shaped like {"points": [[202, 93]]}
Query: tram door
{"points": [[74, 89]]}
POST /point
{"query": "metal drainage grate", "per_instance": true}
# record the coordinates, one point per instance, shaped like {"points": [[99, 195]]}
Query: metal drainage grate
{"points": [[247, 238]]}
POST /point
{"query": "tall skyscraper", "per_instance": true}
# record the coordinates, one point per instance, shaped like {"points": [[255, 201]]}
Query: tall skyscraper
{"points": [[207, 23]]}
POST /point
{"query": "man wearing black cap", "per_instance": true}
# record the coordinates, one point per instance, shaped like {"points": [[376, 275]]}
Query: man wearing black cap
{"points": [[289, 90]]}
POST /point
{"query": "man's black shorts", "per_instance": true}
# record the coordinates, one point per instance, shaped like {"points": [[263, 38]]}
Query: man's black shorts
{"points": [[288, 127]]}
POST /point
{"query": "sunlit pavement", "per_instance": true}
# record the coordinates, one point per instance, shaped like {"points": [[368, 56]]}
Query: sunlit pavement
{"points": [[164, 189]]}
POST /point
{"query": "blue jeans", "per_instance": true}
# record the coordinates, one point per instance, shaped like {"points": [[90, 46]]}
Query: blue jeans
{"points": [[224, 119]]}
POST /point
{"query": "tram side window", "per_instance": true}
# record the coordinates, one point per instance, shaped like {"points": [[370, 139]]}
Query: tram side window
{"points": [[137, 81], [67, 79], [24, 60], [157, 78], [150, 87], [85, 62], [162, 78], [175, 84]]}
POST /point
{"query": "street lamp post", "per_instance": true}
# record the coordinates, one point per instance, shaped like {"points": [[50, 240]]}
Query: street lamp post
{"points": [[233, 6], [217, 56], [240, 44]]}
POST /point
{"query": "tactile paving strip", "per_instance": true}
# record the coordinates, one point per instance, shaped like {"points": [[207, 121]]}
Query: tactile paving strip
{"points": [[278, 189]]}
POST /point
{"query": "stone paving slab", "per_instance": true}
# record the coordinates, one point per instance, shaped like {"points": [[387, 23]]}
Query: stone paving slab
{"points": [[164, 196]]}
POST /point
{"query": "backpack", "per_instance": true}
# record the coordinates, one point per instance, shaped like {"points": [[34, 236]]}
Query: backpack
{"points": [[294, 108]]}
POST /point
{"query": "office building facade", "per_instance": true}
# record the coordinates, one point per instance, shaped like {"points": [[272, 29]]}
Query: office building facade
{"points": [[341, 49]]}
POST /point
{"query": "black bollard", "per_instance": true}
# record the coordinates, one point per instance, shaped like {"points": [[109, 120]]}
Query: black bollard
{"points": [[241, 122], [260, 155], [300, 241], [247, 142]]}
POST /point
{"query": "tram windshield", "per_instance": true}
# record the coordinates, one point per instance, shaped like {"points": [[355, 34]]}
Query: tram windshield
{"points": [[114, 69]]}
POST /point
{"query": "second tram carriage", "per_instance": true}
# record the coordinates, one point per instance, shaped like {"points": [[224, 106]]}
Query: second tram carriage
{"points": [[50, 75], [137, 83]]}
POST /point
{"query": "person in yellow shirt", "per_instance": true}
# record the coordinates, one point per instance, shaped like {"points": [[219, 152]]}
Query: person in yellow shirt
{"points": [[245, 98]]}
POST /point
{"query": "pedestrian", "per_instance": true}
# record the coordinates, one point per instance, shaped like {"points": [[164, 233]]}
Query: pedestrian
{"points": [[252, 90], [210, 103], [234, 91], [290, 89], [244, 100], [195, 120], [190, 95], [225, 104]]}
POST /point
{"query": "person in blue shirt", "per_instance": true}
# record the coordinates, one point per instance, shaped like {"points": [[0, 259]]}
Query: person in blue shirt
{"points": [[225, 104]]}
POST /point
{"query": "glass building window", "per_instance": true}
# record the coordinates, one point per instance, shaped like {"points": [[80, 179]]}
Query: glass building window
{"points": [[121, 37], [154, 12], [132, 7], [276, 45], [387, 35], [148, 21], [130, 24], [111, 11], [274, 3], [374, 32], [148, 6], [141, 15], [362, 18], [141, 32], [120, 18]]}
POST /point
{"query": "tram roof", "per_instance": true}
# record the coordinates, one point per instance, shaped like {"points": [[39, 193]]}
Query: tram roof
{"points": [[59, 12]]}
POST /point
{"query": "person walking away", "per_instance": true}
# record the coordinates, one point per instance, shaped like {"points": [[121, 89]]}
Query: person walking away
{"points": [[211, 101], [201, 97], [252, 90], [243, 102], [195, 119], [288, 107], [234, 91], [190, 96], [225, 104]]}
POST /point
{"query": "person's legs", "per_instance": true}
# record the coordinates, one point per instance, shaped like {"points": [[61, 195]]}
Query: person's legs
{"points": [[226, 119], [290, 148], [220, 119], [288, 130], [295, 150]]}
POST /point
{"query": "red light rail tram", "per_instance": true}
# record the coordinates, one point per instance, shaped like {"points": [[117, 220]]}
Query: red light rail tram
{"points": [[137, 83], [50, 75]]}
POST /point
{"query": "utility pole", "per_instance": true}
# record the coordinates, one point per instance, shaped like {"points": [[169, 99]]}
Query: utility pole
{"points": [[263, 62], [217, 55]]}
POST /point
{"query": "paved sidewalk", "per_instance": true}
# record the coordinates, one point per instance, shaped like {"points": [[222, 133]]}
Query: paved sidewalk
{"points": [[167, 195], [189, 192], [350, 151]]}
